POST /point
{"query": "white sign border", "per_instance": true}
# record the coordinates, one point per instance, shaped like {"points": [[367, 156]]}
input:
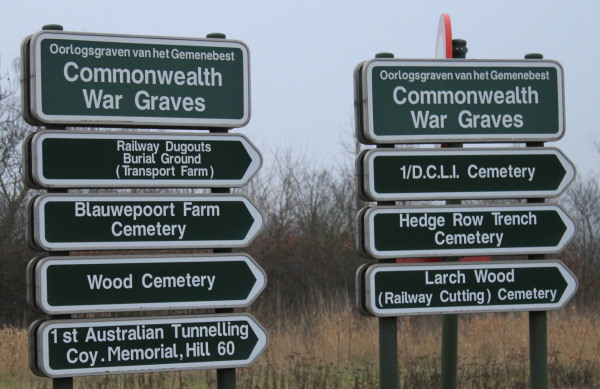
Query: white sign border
{"points": [[44, 357], [368, 125], [39, 228], [369, 173], [41, 272], [371, 299], [134, 121], [37, 169], [369, 229]]}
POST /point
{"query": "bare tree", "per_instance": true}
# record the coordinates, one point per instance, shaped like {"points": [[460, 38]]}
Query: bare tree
{"points": [[583, 254], [13, 197], [307, 245]]}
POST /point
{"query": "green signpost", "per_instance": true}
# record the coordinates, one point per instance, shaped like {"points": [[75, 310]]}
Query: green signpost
{"points": [[393, 290], [451, 102], [418, 174], [392, 232], [424, 101], [67, 348], [136, 283], [110, 222], [109, 80], [133, 81], [85, 160]]}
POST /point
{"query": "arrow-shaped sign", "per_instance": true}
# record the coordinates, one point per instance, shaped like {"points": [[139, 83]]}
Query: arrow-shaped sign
{"points": [[100, 160], [392, 232], [67, 348], [417, 174], [148, 221], [67, 285], [393, 290]]}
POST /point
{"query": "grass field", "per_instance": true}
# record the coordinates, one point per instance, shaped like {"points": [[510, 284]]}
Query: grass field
{"points": [[331, 346]]}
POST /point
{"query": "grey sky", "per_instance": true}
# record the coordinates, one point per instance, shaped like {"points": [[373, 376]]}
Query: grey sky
{"points": [[303, 53]]}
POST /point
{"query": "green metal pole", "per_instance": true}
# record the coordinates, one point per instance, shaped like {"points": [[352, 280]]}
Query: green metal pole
{"points": [[388, 344], [65, 382], [538, 340], [538, 337], [538, 320], [538, 349], [226, 378], [388, 353], [449, 352], [62, 383], [388, 326]]}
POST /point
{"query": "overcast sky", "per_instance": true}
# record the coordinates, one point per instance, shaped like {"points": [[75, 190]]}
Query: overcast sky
{"points": [[303, 53]]}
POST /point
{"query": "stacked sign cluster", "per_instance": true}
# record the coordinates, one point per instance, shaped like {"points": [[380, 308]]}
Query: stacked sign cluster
{"points": [[455, 102], [94, 80]]}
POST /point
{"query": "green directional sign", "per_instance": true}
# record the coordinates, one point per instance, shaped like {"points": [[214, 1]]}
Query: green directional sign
{"points": [[67, 348], [67, 285], [132, 81], [420, 101], [393, 290], [147, 221], [84, 159], [391, 232], [418, 174]]}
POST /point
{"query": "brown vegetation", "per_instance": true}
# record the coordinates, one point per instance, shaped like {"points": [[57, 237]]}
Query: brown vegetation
{"points": [[331, 346]]}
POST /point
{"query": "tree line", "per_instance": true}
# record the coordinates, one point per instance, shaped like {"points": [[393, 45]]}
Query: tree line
{"points": [[307, 246]]}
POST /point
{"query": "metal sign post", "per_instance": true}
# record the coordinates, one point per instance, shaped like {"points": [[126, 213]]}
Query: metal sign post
{"points": [[538, 320], [411, 101], [110, 80]]}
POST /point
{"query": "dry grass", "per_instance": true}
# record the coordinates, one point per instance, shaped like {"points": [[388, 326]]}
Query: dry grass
{"points": [[332, 346]]}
